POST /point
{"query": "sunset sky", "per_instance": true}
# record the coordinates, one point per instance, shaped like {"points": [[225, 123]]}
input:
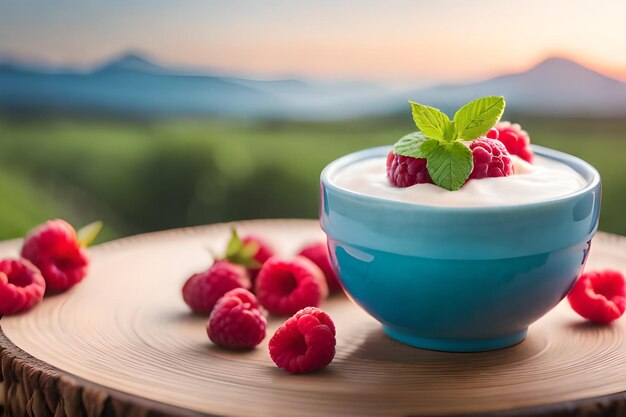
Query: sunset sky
{"points": [[393, 41]]}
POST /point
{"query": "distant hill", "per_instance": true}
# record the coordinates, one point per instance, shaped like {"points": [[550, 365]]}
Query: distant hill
{"points": [[554, 86], [131, 84], [134, 63]]}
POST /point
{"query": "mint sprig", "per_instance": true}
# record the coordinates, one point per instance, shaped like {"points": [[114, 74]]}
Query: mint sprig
{"points": [[439, 139]]}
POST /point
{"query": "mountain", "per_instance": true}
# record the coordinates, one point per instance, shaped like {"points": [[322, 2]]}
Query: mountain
{"points": [[132, 62], [133, 85], [555, 86], [129, 85]]}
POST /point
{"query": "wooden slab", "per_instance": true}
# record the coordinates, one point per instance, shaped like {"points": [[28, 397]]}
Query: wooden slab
{"points": [[124, 343]]}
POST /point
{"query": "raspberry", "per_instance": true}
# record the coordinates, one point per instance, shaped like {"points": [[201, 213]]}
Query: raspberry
{"points": [[264, 252], [203, 290], [286, 286], [516, 140], [318, 254], [21, 286], [304, 343], [599, 296], [236, 321], [53, 248], [404, 171], [493, 133], [244, 296], [491, 159], [320, 315]]}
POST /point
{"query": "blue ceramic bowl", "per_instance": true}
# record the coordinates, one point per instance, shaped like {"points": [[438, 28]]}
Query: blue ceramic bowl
{"points": [[454, 278]]}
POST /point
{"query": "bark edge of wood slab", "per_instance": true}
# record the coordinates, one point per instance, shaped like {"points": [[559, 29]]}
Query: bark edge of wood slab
{"points": [[34, 388]]}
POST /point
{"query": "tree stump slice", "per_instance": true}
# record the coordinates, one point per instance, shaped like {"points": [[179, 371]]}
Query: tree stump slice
{"points": [[123, 343]]}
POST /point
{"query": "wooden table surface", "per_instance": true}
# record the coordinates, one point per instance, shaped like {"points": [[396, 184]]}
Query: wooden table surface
{"points": [[124, 343]]}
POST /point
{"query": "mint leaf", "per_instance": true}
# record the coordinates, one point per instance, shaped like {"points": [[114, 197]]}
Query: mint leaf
{"points": [[87, 234], [450, 133], [477, 117], [415, 145], [430, 121], [450, 164], [429, 146]]}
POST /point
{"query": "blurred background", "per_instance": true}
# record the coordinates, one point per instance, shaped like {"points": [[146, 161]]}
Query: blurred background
{"points": [[154, 114]]}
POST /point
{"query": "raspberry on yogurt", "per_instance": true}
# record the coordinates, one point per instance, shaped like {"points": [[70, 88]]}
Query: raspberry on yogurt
{"points": [[405, 171], [514, 138], [491, 159]]}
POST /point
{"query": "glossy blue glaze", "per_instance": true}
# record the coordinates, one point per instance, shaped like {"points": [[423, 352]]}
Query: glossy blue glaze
{"points": [[458, 279]]}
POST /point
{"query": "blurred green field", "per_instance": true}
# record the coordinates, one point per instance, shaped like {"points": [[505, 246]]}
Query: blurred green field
{"points": [[150, 175]]}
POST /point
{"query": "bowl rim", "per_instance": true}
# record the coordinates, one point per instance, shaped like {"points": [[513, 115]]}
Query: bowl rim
{"points": [[579, 165]]}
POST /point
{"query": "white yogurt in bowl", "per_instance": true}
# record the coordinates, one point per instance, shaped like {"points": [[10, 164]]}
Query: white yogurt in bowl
{"points": [[542, 180]]}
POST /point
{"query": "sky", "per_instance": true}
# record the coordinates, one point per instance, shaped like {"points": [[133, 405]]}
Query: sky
{"points": [[394, 40]]}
